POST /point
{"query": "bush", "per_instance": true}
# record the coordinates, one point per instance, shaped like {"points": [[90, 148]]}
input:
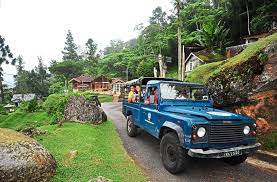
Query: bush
{"points": [[57, 87], [3, 110], [29, 106], [54, 106]]}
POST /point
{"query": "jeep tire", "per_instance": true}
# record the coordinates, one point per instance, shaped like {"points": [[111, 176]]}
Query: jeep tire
{"points": [[174, 157], [132, 129], [235, 160]]}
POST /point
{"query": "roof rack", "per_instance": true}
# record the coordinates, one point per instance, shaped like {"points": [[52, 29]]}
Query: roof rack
{"points": [[144, 80]]}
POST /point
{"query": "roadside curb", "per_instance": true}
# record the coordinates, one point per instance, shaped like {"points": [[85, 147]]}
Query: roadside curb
{"points": [[266, 156]]}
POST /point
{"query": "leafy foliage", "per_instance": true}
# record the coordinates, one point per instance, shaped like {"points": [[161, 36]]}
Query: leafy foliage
{"points": [[34, 81], [213, 36], [5, 57], [91, 48], [67, 69], [145, 68], [265, 16], [57, 87], [29, 106]]}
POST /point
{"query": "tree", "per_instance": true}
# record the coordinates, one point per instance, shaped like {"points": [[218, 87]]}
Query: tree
{"points": [[70, 49], [178, 6], [20, 86], [43, 76], [115, 46], [91, 48], [158, 17], [67, 69], [34, 81], [41, 69], [20, 64], [5, 57]]}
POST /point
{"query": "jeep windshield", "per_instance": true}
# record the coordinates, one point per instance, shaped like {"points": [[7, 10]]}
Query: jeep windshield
{"points": [[183, 91]]}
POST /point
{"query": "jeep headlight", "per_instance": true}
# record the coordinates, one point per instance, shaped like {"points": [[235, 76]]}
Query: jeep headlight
{"points": [[201, 132], [246, 130]]}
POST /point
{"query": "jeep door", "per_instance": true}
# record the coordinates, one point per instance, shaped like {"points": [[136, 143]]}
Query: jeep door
{"points": [[149, 111]]}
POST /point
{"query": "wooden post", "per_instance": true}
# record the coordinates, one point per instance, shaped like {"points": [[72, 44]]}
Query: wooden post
{"points": [[155, 72], [160, 60], [183, 62]]}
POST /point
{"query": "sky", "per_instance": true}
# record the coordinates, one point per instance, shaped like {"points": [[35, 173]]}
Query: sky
{"points": [[35, 28]]}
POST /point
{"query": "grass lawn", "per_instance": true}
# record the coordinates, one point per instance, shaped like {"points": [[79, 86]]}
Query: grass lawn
{"points": [[20, 120], [105, 98], [100, 153], [202, 73]]}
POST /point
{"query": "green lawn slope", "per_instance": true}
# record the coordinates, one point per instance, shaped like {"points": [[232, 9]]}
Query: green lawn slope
{"points": [[20, 120], [100, 153], [202, 73]]}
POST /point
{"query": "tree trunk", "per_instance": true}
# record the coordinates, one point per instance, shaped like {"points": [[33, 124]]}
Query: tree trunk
{"points": [[248, 18], [183, 62], [179, 54], [179, 41], [2, 91]]}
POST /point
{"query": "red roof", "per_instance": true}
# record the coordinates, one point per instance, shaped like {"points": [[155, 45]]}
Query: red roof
{"points": [[82, 78]]}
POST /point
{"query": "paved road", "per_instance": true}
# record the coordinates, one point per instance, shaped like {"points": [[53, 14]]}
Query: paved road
{"points": [[144, 149]]}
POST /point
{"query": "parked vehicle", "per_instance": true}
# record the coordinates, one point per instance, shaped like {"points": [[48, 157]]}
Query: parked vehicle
{"points": [[182, 116]]}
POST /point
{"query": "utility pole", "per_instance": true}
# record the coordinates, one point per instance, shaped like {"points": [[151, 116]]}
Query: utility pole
{"points": [[183, 63], [179, 40]]}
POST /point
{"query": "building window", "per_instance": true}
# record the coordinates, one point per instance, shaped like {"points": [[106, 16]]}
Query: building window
{"points": [[190, 65]]}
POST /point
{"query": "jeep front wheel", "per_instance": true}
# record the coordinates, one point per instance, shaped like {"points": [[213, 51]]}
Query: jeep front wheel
{"points": [[132, 129], [174, 157]]}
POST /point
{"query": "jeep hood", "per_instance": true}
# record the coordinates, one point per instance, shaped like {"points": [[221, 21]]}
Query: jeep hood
{"points": [[208, 113]]}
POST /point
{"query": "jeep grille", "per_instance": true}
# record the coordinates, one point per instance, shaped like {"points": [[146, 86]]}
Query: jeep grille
{"points": [[225, 133]]}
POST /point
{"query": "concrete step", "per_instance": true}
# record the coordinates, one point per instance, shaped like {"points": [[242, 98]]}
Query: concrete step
{"points": [[266, 156]]}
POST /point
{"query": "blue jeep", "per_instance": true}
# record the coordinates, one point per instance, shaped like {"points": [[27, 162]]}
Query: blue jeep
{"points": [[183, 117]]}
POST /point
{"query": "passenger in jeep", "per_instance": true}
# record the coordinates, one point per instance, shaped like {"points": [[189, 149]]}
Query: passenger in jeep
{"points": [[131, 95], [152, 98], [137, 93]]}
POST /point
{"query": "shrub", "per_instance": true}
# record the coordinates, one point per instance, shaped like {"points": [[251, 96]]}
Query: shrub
{"points": [[29, 106], [54, 106], [57, 87], [3, 110]]}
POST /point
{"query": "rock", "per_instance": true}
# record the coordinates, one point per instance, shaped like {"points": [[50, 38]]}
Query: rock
{"points": [[100, 179], [82, 110], [249, 88], [31, 131], [262, 107], [72, 154], [24, 159], [263, 125]]}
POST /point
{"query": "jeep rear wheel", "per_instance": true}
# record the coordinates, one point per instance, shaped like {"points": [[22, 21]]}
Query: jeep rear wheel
{"points": [[174, 157], [132, 129], [236, 160]]}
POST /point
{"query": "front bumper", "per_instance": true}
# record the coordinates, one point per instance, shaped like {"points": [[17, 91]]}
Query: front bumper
{"points": [[223, 153]]}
